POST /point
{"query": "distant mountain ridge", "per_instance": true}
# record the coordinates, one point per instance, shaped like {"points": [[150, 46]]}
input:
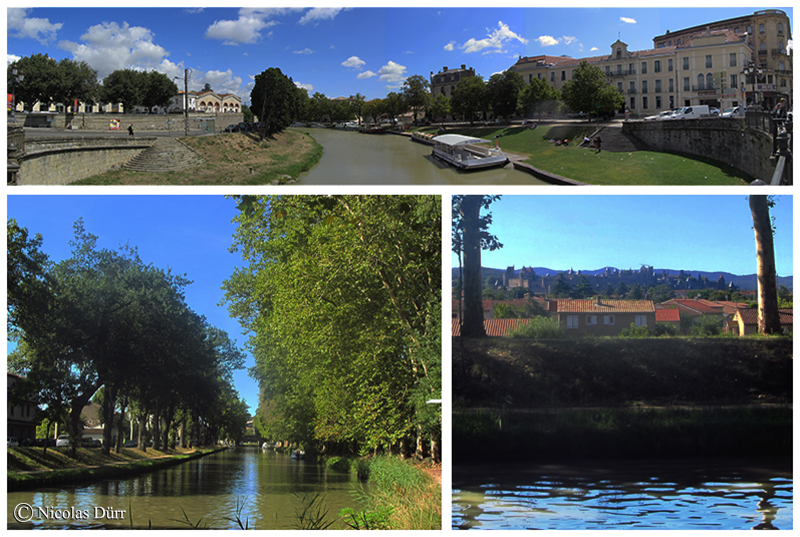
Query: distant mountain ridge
{"points": [[746, 282]]}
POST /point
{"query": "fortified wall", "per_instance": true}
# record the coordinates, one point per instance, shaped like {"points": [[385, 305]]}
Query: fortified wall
{"points": [[727, 140], [60, 161]]}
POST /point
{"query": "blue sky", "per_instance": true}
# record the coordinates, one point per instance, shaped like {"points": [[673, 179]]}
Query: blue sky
{"points": [[335, 51], [189, 234], [709, 233]]}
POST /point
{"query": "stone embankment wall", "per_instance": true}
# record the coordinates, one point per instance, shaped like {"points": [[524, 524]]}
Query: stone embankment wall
{"points": [[140, 122], [63, 161], [724, 139]]}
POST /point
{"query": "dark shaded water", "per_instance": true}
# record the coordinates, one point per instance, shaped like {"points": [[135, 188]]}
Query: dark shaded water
{"points": [[698, 494], [380, 159], [262, 486]]}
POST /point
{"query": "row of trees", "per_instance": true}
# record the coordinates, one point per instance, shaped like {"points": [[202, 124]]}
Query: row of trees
{"points": [[104, 326], [48, 81], [343, 296]]}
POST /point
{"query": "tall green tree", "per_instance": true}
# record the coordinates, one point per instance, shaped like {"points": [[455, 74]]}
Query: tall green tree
{"points": [[588, 91], [76, 80], [440, 107], [357, 102], [394, 105], [504, 90], [126, 86], [538, 96], [470, 97], [274, 99], [41, 80], [342, 295], [416, 92], [159, 90]]}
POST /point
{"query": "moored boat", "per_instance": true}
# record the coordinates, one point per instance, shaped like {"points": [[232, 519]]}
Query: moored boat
{"points": [[372, 129], [423, 138], [462, 152]]}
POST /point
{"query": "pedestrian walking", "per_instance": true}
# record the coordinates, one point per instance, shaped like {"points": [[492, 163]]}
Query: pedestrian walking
{"points": [[597, 142], [130, 130], [779, 114]]}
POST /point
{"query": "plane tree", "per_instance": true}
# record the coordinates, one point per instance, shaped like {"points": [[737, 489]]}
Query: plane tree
{"points": [[768, 317], [470, 97], [588, 91], [343, 296]]}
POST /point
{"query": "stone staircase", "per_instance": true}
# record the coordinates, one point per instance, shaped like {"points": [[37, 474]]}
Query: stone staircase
{"points": [[617, 141], [165, 155]]}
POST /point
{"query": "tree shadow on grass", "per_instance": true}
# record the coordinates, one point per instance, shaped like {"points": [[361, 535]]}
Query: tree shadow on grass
{"points": [[726, 169]]}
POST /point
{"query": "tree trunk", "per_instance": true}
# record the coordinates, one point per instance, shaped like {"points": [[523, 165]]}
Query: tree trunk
{"points": [[768, 319], [472, 324], [157, 426], [109, 402], [121, 423], [142, 428]]}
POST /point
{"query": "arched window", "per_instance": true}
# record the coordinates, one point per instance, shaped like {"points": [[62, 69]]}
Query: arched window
{"points": [[709, 81], [701, 81]]}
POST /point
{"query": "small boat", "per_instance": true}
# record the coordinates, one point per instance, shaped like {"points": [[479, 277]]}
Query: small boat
{"points": [[372, 129], [462, 152], [423, 138], [298, 454]]}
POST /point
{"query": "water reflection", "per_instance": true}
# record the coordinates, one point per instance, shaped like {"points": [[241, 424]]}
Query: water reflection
{"points": [[262, 486], [663, 495], [355, 158]]}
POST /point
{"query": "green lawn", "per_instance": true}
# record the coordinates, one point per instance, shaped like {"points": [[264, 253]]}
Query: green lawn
{"points": [[606, 168]]}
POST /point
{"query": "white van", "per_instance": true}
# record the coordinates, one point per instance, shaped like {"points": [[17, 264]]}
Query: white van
{"points": [[690, 112]]}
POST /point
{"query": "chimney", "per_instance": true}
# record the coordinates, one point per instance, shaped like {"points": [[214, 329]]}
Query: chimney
{"points": [[444, 69], [599, 302], [463, 66]]}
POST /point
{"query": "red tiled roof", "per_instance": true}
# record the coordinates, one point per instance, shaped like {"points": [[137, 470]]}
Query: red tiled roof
{"points": [[750, 315], [604, 306], [493, 327], [700, 306], [671, 315]]}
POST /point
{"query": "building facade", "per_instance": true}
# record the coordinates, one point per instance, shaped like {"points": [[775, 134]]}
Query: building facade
{"points": [[699, 65], [21, 413], [602, 317], [446, 80]]}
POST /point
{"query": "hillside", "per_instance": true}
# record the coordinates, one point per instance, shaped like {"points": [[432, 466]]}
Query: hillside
{"points": [[744, 282]]}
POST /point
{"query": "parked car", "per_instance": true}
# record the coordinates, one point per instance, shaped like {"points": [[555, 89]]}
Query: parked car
{"points": [[713, 111], [231, 128], [659, 116], [690, 112], [12, 442], [131, 443], [736, 111], [62, 441]]}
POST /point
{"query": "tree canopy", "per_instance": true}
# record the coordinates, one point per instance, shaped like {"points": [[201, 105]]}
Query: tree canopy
{"points": [[343, 296], [589, 92], [504, 90], [275, 100], [469, 97]]}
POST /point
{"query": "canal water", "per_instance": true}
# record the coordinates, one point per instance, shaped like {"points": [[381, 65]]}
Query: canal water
{"points": [[265, 487], [698, 494], [353, 158]]}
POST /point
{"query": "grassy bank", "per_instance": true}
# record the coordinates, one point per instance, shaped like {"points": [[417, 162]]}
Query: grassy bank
{"points": [[605, 168], [231, 159], [621, 397], [30, 467], [499, 372], [403, 494]]}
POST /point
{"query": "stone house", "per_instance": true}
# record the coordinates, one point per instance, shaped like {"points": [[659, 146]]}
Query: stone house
{"points": [[745, 321], [601, 317]]}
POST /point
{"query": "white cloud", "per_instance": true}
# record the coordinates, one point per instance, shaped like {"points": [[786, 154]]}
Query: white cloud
{"points": [[193, 10], [220, 81], [108, 46], [593, 49], [366, 74], [354, 62], [392, 73], [319, 14], [495, 42], [11, 58], [627, 20], [304, 51], [247, 28], [449, 47], [40, 29], [308, 87], [546, 40], [568, 39]]}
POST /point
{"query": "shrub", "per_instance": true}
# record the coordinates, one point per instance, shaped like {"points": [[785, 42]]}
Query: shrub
{"points": [[706, 326], [391, 473], [635, 331], [666, 329], [340, 464], [539, 328]]}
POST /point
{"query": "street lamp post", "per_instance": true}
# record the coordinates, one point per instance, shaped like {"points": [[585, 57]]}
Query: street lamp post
{"points": [[751, 71], [16, 78], [185, 101]]}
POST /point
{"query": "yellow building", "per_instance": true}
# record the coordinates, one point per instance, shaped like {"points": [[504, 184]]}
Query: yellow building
{"points": [[700, 65]]}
